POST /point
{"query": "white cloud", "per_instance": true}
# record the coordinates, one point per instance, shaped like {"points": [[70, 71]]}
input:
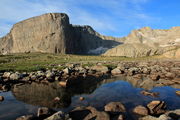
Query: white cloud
{"points": [[102, 15]]}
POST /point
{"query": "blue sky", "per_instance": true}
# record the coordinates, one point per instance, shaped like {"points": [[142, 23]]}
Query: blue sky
{"points": [[108, 17]]}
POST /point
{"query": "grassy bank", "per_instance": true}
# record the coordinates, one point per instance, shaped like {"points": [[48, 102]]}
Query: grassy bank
{"points": [[37, 61]]}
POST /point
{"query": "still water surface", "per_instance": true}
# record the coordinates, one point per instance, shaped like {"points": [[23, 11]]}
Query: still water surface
{"points": [[25, 99]]}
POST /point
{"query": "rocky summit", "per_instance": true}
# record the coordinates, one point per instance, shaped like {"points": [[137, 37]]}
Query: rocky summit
{"points": [[52, 33], [149, 42]]}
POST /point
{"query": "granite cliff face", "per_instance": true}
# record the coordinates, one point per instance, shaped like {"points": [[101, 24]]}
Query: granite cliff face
{"points": [[148, 42], [52, 33]]}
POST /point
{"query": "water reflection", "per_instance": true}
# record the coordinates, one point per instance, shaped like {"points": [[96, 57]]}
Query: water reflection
{"points": [[98, 91], [44, 95]]}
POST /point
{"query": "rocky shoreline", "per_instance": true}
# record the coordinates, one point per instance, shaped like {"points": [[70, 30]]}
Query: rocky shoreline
{"points": [[157, 73]]}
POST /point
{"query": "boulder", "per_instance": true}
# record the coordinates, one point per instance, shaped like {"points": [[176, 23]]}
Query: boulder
{"points": [[140, 110], [6, 74], [15, 76], [116, 71], [156, 107], [114, 107], [88, 113], [100, 68]]}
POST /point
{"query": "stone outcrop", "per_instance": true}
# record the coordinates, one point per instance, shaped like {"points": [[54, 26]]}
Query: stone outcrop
{"points": [[149, 42], [52, 33]]}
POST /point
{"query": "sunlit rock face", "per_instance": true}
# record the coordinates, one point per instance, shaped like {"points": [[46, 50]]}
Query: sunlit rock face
{"points": [[148, 42], [52, 33]]}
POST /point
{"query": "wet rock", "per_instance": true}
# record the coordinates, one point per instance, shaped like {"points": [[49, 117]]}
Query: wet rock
{"points": [[178, 93], [44, 112], [115, 107], [1, 98], [15, 76], [147, 93], [100, 68], [26, 117], [156, 107], [59, 116], [140, 110], [116, 71]]}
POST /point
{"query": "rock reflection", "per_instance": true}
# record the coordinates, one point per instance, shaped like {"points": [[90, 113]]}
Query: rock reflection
{"points": [[44, 95]]}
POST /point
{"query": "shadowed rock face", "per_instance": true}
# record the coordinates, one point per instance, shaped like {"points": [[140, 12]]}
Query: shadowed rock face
{"points": [[52, 33]]}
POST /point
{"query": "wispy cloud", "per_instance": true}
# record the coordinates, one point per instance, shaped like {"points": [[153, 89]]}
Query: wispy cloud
{"points": [[105, 16]]}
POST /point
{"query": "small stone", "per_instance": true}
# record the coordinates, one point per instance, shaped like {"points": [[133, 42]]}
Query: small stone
{"points": [[50, 75], [1, 98], [115, 107], [178, 93], [140, 110], [26, 117], [59, 116], [44, 111], [63, 83], [121, 117], [56, 99], [147, 93], [116, 71], [81, 98]]}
